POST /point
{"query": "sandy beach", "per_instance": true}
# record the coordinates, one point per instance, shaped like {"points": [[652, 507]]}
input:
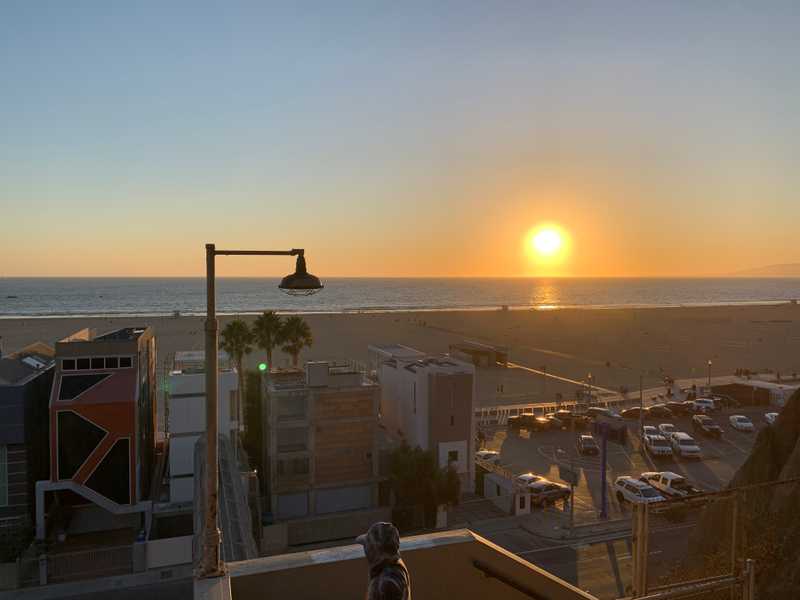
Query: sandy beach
{"points": [[614, 345]]}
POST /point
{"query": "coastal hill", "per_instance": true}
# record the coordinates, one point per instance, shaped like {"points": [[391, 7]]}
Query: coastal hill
{"points": [[768, 516], [784, 270]]}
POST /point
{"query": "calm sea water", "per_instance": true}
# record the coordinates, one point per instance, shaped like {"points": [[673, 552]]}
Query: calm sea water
{"points": [[135, 296]]}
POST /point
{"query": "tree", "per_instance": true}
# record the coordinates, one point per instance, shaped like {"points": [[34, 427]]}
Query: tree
{"points": [[418, 483], [268, 333], [295, 335], [236, 340]]}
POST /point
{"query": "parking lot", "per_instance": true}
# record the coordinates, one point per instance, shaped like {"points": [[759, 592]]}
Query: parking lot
{"points": [[551, 453]]}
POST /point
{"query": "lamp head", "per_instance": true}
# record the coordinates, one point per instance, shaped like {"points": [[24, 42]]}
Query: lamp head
{"points": [[301, 282]]}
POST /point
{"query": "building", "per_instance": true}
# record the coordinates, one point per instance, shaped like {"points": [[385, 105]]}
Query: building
{"points": [[428, 401], [320, 454], [102, 430], [25, 380], [480, 355], [186, 416]]}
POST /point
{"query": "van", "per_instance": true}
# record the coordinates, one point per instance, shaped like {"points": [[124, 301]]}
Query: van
{"points": [[707, 404]]}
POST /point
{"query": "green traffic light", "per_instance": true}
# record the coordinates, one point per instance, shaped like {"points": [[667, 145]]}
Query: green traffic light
{"points": [[262, 366]]}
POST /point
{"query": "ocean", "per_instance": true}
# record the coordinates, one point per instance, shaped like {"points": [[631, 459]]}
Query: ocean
{"points": [[50, 297]]}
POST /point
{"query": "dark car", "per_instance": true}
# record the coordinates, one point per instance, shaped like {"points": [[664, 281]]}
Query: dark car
{"points": [[546, 492], [520, 422], [676, 408], [565, 416], [555, 422], [690, 408], [587, 445], [660, 411], [594, 412], [633, 413], [706, 425]]}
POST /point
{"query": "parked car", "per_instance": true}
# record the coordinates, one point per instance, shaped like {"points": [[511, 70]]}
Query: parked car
{"points": [[666, 429], [649, 430], [487, 455], [722, 401], [633, 413], [670, 485], [554, 422], [657, 446], [690, 408], [629, 489], [547, 492], [684, 445], [741, 423], [770, 418], [601, 411], [706, 404], [565, 416], [660, 411], [528, 422], [706, 425], [526, 479], [587, 445], [676, 408]]}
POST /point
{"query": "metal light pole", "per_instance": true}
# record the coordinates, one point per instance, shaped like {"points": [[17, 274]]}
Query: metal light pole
{"points": [[301, 282], [641, 405], [709, 373]]}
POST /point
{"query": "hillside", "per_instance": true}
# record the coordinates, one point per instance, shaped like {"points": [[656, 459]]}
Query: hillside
{"points": [[785, 270], [769, 523]]}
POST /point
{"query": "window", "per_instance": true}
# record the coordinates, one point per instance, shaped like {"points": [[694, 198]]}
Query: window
{"points": [[293, 466], [233, 405], [522, 501], [452, 420], [112, 362], [83, 363], [3, 476], [452, 456], [77, 438], [292, 439], [293, 407], [68, 364], [125, 362], [98, 363], [73, 386]]}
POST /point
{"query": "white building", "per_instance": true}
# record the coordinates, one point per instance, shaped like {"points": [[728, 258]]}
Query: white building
{"points": [[427, 401], [186, 415]]}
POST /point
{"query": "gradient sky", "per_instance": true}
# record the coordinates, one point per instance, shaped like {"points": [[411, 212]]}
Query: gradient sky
{"points": [[398, 138]]}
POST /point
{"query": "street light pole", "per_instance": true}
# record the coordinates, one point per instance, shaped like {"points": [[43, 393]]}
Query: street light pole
{"points": [[641, 405], [299, 282], [709, 373]]}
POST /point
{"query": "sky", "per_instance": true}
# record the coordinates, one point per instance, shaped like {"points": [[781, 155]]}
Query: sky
{"points": [[398, 138]]}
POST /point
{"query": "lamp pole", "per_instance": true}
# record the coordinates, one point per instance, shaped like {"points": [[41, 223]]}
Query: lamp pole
{"points": [[299, 282], [709, 373]]}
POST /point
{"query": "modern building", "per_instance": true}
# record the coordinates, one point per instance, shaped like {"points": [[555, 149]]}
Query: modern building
{"points": [[102, 430], [25, 380], [428, 401], [320, 454], [186, 415]]}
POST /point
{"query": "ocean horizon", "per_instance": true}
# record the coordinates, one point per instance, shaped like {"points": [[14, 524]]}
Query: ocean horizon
{"points": [[155, 296]]}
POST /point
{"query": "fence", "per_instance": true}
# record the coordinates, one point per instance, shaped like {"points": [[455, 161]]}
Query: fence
{"points": [[499, 414], [709, 537], [72, 566]]}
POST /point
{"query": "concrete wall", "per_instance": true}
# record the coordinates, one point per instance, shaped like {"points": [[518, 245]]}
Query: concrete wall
{"points": [[169, 552], [500, 491], [442, 565]]}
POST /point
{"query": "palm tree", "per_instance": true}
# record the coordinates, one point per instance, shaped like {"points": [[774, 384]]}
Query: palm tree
{"points": [[295, 335], [236, 340], [267, 333]]}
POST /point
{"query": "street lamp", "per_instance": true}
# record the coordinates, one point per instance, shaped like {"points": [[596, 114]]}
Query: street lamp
{"points": [[709, 373], [299, 283]]}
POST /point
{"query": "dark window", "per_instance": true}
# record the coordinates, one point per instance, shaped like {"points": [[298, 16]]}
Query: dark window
{"points": [[452, 420], [452, 456], [73, 386], [68, 364], [83, 363], [112, 478], [98, 363], [77, 437], [292, 439], [112, 362], [522, 500], [125, 362]]}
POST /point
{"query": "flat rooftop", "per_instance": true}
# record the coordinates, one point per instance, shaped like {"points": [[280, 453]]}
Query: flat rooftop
{"points": [[124, 334]]}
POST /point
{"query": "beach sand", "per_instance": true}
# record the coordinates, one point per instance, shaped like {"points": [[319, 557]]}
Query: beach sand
{"points": [[614, 345]]}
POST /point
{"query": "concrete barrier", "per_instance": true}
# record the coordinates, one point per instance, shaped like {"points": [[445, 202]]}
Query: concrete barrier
{"points": [[169, 552]]}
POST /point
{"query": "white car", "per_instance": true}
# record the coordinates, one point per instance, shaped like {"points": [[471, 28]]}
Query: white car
{"points": [[657, 446], [770, 418], [706, 404], [528, 479], [683, 445], [741, 423], [666, 429], [630, 489], [487, 454], [649, 430]]}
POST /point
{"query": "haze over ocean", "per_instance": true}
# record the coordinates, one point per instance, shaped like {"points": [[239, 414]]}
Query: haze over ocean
{"points": [[163, 296]]}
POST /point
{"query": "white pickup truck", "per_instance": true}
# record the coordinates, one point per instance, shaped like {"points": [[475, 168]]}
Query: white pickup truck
{"points": [[670, 485]]}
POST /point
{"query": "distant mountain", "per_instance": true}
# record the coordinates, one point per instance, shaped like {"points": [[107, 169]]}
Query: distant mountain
{"points": [[787, 270]]}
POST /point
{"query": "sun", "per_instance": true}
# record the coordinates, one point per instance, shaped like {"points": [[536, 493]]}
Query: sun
{"points": [[547, 242], [547, 245]]}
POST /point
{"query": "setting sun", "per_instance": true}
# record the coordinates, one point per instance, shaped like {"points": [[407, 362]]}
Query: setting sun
{"points": [[547, 242], [547, 245]]}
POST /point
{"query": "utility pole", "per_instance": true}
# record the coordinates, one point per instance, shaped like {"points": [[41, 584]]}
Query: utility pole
{"points": [[641, 405], [640, 548], [603, 459]]}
